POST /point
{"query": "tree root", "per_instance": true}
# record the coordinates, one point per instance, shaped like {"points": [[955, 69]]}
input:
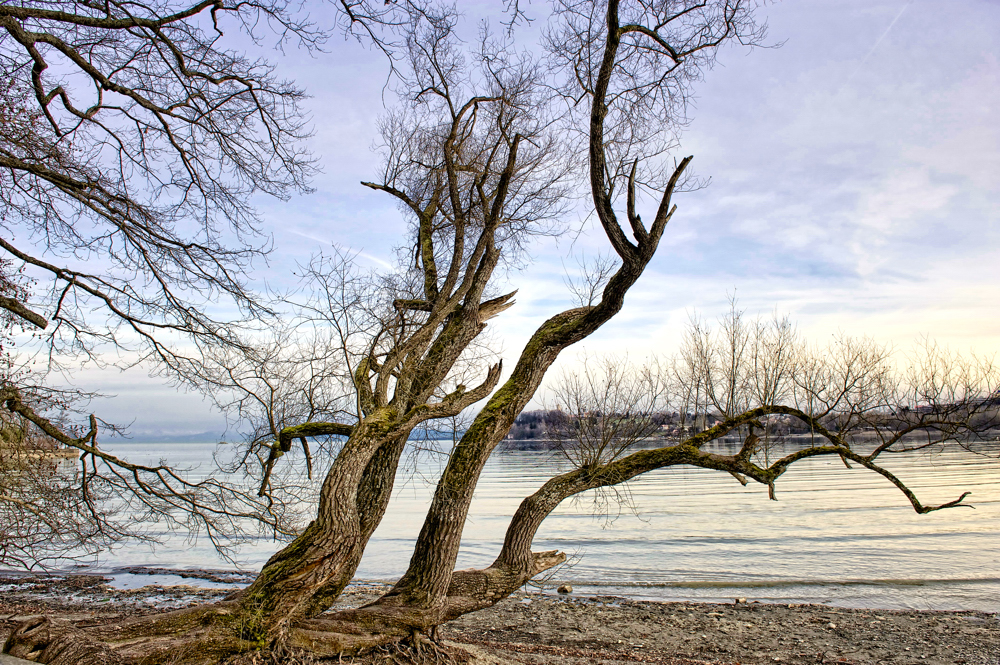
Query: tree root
{"points": [[284, 657], [417, 649], [389, 630], [173, 639], [193, 636], [44, 640], [222, 633]]}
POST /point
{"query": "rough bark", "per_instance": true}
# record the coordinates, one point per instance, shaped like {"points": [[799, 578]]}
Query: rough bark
{"points": [[373, 497], [46, 640], [398, 386], [428, 577], [322, 560]]}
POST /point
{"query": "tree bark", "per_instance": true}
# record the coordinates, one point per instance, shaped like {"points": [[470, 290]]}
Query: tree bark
{"points": [[428, 577], [305, 577], [373, 497]]}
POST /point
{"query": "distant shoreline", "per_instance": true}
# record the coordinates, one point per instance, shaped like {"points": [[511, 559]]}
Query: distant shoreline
{"points": [[518, 444], [145, 437]]}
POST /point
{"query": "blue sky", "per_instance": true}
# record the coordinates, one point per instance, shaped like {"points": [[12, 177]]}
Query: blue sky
{"points": [[855, 186]]}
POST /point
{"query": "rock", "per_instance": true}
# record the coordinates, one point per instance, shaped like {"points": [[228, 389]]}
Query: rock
{"points": [[11, 660], [565, 588]]}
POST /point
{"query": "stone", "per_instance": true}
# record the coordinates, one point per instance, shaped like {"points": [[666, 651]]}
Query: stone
{"points": [[12, 660]]}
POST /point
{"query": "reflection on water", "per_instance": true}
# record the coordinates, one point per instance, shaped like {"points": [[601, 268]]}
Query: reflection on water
{"points": [[836, 535]]}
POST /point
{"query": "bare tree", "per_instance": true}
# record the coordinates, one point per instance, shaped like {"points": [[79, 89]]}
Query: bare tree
{"points": [[131, 143], [133, 138], [478, 159], [852, 398], [607, 406], [135, 144], [480, 156]]}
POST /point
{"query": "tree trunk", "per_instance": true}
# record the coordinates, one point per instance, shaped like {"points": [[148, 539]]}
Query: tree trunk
{"points": [[373, 497], [306, 576], [426, 581]]}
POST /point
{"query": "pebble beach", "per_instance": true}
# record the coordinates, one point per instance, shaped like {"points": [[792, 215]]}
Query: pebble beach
{"points": [[544, 628]]}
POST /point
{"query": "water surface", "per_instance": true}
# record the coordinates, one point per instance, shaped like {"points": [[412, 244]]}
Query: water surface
{"points": [[839, 536]]}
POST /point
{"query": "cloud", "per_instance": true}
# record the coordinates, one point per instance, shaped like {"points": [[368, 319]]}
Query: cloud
{"points": [[855, 183]]}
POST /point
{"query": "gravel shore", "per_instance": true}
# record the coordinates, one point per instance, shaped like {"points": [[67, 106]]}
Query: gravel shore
{"points": [[542, 629]]}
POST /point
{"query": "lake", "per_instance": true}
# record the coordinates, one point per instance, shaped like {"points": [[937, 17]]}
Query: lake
{"points": [[837, 536]]}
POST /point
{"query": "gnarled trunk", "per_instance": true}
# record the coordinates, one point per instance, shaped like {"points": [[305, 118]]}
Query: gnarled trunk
{"points": [[460, 197], [305, 578]]}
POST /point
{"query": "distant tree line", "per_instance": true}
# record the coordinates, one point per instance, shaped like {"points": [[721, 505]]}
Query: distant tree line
{"points": [[552, 425], [544, 424]]}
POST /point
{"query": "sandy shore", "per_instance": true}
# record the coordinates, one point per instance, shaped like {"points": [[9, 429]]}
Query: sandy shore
{"points": [[538, 628]]}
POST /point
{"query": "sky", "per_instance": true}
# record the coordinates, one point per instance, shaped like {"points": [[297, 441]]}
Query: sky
{"points": [[855, 187]]}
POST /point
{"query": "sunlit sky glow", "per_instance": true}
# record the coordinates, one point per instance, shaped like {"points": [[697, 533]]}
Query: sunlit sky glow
{"points": [[855, 186]]}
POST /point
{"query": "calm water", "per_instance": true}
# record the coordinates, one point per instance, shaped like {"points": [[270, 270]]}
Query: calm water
{"points": [[837, 536]]}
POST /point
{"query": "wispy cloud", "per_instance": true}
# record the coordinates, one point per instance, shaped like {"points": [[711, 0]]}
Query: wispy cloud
{"points": [[870, 207], [874, 47], [355, 252]]}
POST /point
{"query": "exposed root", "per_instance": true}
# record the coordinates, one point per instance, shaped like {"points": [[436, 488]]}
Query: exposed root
{"points": [[418, 649], [195, 636], [43, 640], [286, 657], [216, 635]]}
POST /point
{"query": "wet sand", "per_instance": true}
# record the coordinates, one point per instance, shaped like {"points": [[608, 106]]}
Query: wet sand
{"points": [[542, 629]]}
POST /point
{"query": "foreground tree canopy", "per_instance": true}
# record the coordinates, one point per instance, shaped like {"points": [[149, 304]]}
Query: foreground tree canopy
{"points": [[131, 144], [487, 148]]}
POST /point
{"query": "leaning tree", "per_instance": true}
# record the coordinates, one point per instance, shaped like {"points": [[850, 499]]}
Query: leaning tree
{"points": [[480, 155]]}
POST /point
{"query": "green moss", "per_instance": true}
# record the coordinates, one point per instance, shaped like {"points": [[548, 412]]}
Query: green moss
{"points": [[249, 624], [11, 433]]}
